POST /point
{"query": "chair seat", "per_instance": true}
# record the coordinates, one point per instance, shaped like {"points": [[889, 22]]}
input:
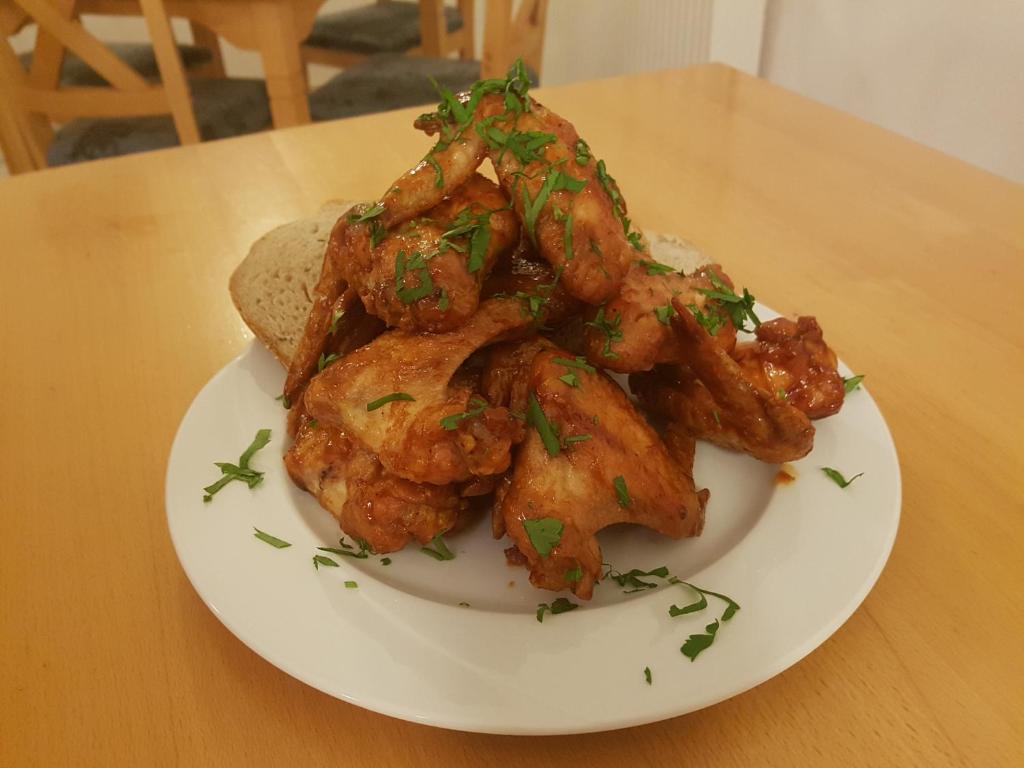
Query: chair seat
{"points": [[388, 81], [223, 108], [380, 28], [139, 57]]}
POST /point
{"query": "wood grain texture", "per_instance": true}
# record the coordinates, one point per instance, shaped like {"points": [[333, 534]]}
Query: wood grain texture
{"points": [[113, 287]]}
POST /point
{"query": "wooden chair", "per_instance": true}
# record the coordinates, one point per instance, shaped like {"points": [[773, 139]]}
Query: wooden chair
{"points": [[32, 99], [427, 28], [387, 82]]}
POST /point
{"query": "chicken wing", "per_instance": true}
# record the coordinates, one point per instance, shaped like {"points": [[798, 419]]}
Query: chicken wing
{"points": [[569, 204], [589, 461], [792, 357], [711, 399], [369, 503], [397, 398], [425, 274], [633, 332]]}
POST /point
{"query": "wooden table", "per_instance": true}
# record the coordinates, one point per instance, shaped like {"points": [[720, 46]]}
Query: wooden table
{"points": [[113, 283], [274, 28]]}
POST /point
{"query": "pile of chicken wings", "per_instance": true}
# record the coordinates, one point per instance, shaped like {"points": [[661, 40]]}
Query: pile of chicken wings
{"points": [[456, 355]]}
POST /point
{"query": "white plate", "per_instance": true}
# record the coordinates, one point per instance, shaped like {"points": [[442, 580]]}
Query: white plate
{"points": [[799, 559]]}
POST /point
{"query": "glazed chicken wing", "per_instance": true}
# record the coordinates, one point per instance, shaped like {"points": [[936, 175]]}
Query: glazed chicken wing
{"points": [[633, 332], [711, 399], [569, 205], [588, 461], [791, 356], [369, 503], [396, 398], [425, 274]]}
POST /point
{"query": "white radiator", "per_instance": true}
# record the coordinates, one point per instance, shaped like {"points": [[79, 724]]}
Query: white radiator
{"points": [[589, 39]]}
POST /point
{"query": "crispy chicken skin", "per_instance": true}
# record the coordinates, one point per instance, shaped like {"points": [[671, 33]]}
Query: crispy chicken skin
{"points": [[369, 503], [419, 276], [407, 435], [791, 356], [622, 473], [630, 335], [711, 399]]}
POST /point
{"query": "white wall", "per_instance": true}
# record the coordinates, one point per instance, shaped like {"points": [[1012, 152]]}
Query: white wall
{"points": [[947, 73]]}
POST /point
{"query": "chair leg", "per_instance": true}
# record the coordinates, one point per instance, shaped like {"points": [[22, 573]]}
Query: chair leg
{"points": [[207, 38]]}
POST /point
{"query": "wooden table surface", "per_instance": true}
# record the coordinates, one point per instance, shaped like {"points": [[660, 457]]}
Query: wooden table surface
{"points": [[113, 289]]}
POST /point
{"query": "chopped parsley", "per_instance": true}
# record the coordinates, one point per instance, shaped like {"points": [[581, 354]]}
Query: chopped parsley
{"points": [[323, 560], [525, 146], [283, 400], [611, 329], [351, 585], [710, 321], [655, 268], [665, 313], [837, 477], [440, 550], [271, 540], [371, 213], [438, 171], [583, 153], [443, 301], [738, 308], [417, 263], [573, 439], [346, 549], [561, 605], [697, 643], [852, 383], [556, 181], [381, 401], [574, 574], [632, 578], [385, 561], [240, 471], [576, 362], [452, 422], [335, 319], [326, 360], [535, 417], [571, 379], [621, 491], [647, 675], [474, 226], [544, 534]]}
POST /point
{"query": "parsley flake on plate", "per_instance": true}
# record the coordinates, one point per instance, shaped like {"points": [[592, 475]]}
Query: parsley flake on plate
{"points": [[271, 540], [240, 471], [837, 477], [561, 605]]}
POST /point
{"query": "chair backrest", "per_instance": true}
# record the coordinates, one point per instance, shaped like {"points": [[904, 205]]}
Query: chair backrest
{"points": [[510, 34], [435, 39], [30, 100]]}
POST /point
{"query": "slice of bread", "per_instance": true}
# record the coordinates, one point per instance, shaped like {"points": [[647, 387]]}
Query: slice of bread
{"points": [[273, 287]]}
